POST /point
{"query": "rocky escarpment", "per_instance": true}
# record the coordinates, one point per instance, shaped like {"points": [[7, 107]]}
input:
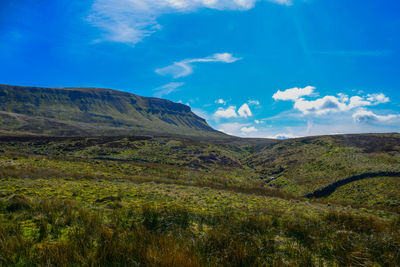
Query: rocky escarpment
{"points": [[94, 111]]}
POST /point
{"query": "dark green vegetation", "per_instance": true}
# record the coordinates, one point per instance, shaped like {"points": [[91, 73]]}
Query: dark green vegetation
{"points": [[173, 201], [297, 166], [96, 177], [331, 188], [93, 111], [380, 191], [306, 164]]}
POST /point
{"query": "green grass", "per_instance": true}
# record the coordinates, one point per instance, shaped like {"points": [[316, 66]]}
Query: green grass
{"points": [[78, 221], [299, 166], [306, 164], [125, 201], [379, 191]]}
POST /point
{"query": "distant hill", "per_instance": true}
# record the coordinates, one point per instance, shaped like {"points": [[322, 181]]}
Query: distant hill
{"points": [[360, 168], [302, 165], [94, 111]]}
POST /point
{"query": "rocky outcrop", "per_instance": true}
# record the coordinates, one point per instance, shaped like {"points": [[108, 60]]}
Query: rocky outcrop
{"points": [[94, 111]]}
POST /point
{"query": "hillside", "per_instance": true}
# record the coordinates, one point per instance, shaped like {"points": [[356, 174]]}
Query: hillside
{"points": [[297, 166], [169, 201], [93, 111], [303, 165]]}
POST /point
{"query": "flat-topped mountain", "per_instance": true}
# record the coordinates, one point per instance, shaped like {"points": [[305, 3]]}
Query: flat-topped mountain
{"points": [[93, 111]]}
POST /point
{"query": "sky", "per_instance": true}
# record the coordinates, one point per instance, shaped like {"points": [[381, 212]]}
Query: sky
{"points": [[251, 68]]}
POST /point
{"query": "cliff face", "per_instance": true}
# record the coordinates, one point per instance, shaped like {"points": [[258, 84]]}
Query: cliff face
{"points": [[94, 111]]}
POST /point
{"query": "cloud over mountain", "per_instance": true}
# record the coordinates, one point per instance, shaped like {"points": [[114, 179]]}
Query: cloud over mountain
{"points": [[366, 116]]}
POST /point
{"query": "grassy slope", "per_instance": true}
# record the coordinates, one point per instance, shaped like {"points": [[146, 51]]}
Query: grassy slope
{"points": [[299, 166], [168, 201], [71, 211], [93, 111], [380, 191], [306, 164]]}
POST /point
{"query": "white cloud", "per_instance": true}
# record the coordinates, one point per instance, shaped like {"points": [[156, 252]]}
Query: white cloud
{"points": [[248, 129], [219, 57], [231, 128], [185, 67], [244, 111], [229, 112], [378, 98], [343, 97], [130, 21], [167, 89], [320, 106], [327, 104], [358, 101], [366, 116], [340, 123], [293, 93], [220, 101]]}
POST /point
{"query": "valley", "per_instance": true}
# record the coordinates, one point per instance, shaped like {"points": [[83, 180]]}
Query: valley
{"points": [[90, 200], [97, 191]]}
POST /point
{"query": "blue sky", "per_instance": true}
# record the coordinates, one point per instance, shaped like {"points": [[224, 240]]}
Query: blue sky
{"points": [[267, 68]]}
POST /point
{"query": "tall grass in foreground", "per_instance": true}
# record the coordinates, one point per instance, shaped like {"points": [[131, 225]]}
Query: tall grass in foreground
{"points": [[61, 233]]}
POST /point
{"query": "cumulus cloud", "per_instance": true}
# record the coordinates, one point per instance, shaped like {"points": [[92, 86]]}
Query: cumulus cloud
{"points": [[378, 98], [248, 129], [244, 111], [229, 112], [231, 128], [167, 89], [327, 104], [320, 106], [366, 116], [185, 67], [130, 21], [358, 101], [293, 93]]}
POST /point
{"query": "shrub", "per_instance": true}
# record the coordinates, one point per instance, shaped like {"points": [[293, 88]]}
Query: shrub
{"points": [[17, 203]]}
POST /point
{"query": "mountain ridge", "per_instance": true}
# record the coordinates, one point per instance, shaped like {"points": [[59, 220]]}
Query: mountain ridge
{"points": [[94, 111]]}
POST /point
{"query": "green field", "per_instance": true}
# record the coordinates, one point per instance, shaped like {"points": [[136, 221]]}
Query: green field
{"points": [[165, 201], [298, 166]]}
